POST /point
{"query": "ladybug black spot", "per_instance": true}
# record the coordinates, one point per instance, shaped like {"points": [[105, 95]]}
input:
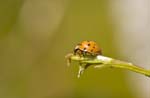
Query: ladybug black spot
{"points": [[92, 50], [84, 48], [89, 44]]}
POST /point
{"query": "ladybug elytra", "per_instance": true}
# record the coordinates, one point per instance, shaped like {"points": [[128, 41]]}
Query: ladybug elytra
{"points": [[87, 48]]}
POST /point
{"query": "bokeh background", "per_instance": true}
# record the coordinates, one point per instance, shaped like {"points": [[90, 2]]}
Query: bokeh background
{"points": [[35, 36]]}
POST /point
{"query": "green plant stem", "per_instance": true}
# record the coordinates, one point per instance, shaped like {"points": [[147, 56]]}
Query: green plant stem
{"points": [[102, 61], [131, 67]]}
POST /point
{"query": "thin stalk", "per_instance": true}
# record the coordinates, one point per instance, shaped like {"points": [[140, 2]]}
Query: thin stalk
{"points": [[102, 61], [131, 67]]}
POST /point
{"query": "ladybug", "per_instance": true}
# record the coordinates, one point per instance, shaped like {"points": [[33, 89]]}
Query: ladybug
{"points": [[87, 48]]}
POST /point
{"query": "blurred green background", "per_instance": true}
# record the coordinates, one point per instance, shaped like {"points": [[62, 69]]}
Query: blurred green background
{"points": [[35, 36]]}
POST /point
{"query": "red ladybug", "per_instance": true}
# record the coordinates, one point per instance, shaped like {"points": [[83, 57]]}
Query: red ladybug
{"points": [[86, 48]]}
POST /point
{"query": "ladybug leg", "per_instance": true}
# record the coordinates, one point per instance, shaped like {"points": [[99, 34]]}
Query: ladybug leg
{"points": [[82, 67], [76, 51], [68, 57], [87, 65], [81, 70], [84, 53]]}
